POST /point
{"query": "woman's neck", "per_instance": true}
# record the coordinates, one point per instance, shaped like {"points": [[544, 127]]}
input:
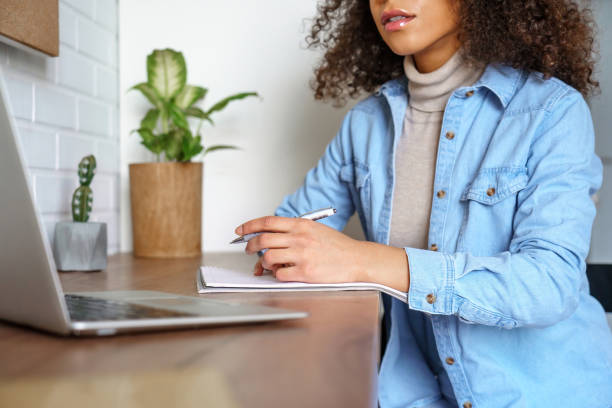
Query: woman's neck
{"points": [[434, 56]]}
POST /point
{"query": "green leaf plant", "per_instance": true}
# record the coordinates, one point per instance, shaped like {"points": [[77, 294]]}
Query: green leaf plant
{"points": [[165, 129]]}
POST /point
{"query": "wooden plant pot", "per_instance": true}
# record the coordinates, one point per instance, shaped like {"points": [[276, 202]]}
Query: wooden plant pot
{"points": [[166, 203]]}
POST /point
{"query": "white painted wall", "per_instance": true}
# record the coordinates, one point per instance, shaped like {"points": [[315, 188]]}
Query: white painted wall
{"points": [[260, 46], [67, 108], [232, 47]]}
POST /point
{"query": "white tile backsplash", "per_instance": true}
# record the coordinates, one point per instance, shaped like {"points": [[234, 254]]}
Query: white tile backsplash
{"points": [[20, 94], [72, 149], [39, 148], [94, 40], [34, 64], [68, 26], [108, 157], [66, 108], [76, 71], [54, 192], [87, 7], [113, 55], [106, 14], [103, 188], [94, 117], [54, 106], [107, 84]]}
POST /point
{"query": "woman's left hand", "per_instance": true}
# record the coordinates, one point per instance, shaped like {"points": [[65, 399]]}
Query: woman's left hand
{"points": [[304, 250]]}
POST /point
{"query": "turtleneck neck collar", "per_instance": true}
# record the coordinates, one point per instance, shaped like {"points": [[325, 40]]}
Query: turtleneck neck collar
{"points": [[430, 91]]}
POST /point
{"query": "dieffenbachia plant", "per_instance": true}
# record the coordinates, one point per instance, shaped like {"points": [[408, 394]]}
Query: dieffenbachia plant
{"points": [[82, 198], [165, 127]]}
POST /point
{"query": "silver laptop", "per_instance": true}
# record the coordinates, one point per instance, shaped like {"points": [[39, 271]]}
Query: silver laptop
{"points": [[30, 291]]}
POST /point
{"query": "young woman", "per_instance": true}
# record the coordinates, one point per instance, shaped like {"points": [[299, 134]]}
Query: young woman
{"points": [[471, 167]]}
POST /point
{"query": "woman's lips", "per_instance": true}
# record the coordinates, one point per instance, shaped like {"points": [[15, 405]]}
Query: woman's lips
{"points": [[399, 24], [396, 19]]}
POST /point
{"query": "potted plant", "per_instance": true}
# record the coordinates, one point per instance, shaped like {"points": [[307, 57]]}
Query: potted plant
{"points": [[166, 195], [81, 245]]}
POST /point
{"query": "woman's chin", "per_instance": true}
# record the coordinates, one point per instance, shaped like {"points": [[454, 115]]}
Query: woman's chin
{"points": [[404, 48], [404, 52]]}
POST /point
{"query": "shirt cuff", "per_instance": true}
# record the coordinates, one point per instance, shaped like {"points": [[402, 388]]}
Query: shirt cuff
{"points": [[432, 277]]}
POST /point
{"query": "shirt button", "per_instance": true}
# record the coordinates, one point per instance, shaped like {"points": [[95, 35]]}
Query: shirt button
{"points": [[450, 360], [467, 404], [450, 135], [469, 93], [490, 191], [431, 298], [441, 194], [433, 247]]}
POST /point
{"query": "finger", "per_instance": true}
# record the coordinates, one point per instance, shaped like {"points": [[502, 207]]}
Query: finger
{"points": [[275, 256], [288, 273], [268, 240], [258, 269], [274, 268], [270, 223]]}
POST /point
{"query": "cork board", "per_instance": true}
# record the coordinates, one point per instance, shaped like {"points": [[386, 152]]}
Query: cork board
{"points": [[33, 23]]}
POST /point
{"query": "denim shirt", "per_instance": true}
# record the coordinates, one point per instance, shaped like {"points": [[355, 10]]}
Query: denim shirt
{"points": [[499, 312]]}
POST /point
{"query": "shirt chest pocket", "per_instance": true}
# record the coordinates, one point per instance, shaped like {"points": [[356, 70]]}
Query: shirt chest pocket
{"points": [[357, 178], [489, 203]]}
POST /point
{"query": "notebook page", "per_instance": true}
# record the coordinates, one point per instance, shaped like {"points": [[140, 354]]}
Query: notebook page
{"points": [[221, 279]]}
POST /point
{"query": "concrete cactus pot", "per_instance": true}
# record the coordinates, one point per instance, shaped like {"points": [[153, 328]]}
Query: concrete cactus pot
{"points": [[80, 246]]}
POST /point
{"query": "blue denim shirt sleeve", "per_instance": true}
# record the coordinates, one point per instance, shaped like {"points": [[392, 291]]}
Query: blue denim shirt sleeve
{"points": [[322, 185], [536, 282]]}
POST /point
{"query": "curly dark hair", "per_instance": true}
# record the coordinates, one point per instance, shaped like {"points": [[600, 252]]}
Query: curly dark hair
{"points": [[554, 37]]}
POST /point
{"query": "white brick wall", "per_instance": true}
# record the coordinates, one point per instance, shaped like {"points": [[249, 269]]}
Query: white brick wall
{"points": [[66, 108]]}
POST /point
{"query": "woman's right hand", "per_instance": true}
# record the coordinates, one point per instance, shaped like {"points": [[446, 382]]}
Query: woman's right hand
{"points": [[258, 269]]}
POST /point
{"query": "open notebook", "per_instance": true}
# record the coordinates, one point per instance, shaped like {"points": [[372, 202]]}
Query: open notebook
{"points": [[212, 279]]}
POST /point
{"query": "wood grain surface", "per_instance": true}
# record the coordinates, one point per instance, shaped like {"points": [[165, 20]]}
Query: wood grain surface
{"points": [[31, 23], [329, 359]]}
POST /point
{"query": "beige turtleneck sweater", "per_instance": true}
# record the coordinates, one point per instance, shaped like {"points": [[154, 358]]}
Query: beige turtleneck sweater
{"points": [[415, 158]]}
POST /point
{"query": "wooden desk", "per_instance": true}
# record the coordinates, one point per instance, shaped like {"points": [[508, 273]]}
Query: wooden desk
{"points": [[329, 359]]}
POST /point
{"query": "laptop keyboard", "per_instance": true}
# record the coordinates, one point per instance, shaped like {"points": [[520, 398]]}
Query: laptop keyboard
{"points": [[85, 308]]}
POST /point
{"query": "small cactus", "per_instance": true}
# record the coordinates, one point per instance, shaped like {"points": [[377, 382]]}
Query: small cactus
{"points": [[82, 198]]}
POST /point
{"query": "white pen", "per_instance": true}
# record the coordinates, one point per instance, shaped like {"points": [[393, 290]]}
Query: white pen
{"points": [[312, 215]]}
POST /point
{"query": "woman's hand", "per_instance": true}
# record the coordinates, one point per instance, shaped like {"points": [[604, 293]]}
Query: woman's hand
{"points": [[302, 250], [307, 251]]}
